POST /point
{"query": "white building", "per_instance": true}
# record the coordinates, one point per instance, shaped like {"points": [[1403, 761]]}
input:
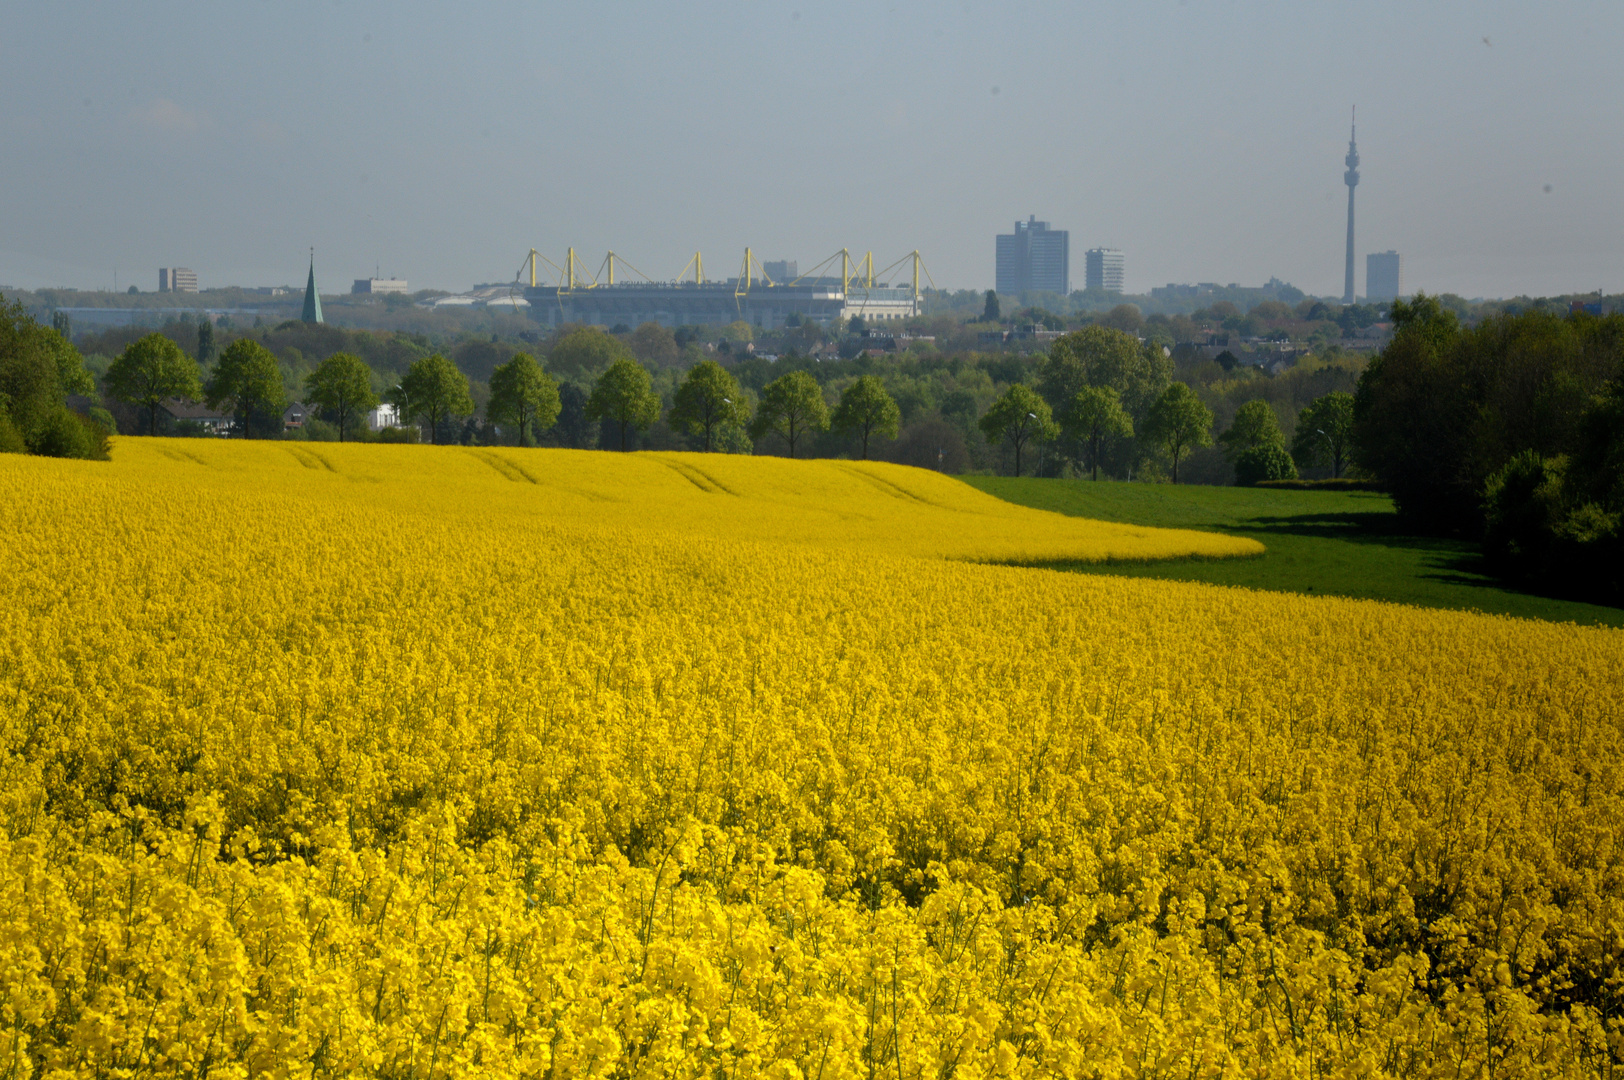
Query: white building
{"points": [[1104, 270], [384, 416], [176, 279], [364, 286]]}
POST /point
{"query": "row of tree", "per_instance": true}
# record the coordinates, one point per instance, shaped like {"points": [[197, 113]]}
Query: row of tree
{"points": [[711, 406]]}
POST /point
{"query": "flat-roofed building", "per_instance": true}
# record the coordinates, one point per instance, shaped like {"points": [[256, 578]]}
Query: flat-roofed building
{"points": [[1384, 276], [364, 286], [176, 279], [1105, 270], [1034, 258]]}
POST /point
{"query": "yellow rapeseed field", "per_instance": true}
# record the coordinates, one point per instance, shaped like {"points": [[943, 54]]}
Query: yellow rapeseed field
{"points": [[430, 762]]}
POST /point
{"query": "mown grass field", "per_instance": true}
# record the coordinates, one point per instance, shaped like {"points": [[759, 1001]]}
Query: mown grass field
{"points": [[1320, 542]]}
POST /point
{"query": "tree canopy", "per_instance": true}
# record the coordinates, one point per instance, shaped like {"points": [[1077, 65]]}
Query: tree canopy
{"points": [[1324, 435], [624, 395], [791, 405], [1254, 425], [1019, 417], [524, 395], [435, 390], [1094, 416], [1178, 422], [149, 372], [341, 386], [1102, 356], [39, 368], [248, 380], [585, 350], [868, 410], [709, 399]]}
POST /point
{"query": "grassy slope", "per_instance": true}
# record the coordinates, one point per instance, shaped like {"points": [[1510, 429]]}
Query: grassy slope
{"points": [[1346, 543]]}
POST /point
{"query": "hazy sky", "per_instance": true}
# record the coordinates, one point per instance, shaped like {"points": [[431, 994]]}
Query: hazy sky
{"points": [[441, 142]]}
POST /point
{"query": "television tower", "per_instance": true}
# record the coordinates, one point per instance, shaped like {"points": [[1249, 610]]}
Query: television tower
{"points": [[1351, 178]]}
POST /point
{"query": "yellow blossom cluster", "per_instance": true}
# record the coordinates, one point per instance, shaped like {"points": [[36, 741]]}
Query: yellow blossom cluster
{"points": [[433, 762]]}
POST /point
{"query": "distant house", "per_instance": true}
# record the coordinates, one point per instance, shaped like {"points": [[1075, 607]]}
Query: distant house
{"points": [[215, 421], [294, 415], [384, 416]]}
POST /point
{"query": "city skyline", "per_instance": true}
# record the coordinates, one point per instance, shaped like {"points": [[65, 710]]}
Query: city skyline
{"points": [[228, 143]]}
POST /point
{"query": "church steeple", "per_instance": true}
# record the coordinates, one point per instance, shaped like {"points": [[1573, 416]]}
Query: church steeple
{"points": [[312, 304]]}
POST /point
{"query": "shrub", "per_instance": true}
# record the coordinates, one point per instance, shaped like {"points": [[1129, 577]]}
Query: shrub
{"points": [[66, 434], [1270, 461]]}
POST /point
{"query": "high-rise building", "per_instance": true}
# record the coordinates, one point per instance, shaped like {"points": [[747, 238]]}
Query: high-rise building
{"points": [[312, 304], [1384, 276], [782, 270], [1034, 258], [176, 279], [1105, 269], [1351, 178]]}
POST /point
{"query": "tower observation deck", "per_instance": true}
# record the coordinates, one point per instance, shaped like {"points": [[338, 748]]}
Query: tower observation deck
{"points": [[1351, 178]]}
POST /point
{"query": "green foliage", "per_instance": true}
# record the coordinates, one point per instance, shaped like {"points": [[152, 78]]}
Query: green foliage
{"points": [[1178, 422], [708, 400], [1443, 409], [791, 405], [1324, 435], [1092, 417], [66, 434], [1267, 461], [1101, 356], [866, 408], [11, 440], [1253, 428], [654, 345], [249, 381], [624, 395], [1125, 318], [341, 386], [989, 310], [524, 395], [436, 391], [149, 372], [1018, 417], [38, 369], [205, 341], [584, 351], [1523, 506]]}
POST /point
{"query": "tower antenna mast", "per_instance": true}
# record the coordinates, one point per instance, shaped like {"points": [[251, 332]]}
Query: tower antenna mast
{"points": [[1351, 178]]}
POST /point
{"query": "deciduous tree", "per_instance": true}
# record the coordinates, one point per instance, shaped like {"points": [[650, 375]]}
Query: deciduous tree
{"points": [[523, 394], [341, 385], [791, 405], [435, 390], [708, 400], [624, 395], [1178, 422], [867, 409], [149, 372], [1094, 416], [247, 380], [1324, 434], [1255, 425], [584, 351], [1019, 417], [1101, 356]]}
